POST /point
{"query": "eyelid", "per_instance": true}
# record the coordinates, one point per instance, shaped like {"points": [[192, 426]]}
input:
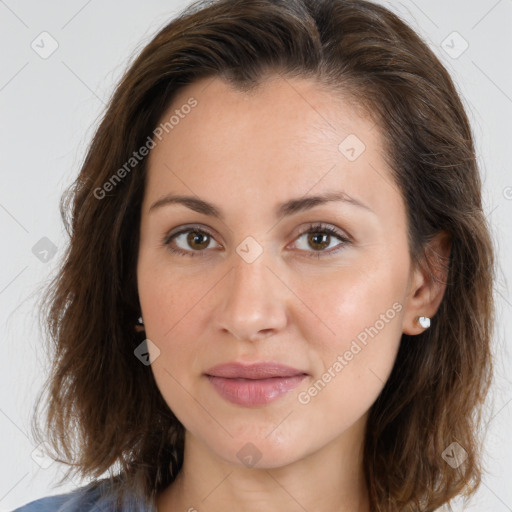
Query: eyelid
{"points": [[324, 226]]}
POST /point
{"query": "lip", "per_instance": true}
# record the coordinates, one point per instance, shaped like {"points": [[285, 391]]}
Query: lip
{"points": [[253, 371], [254, 384]]}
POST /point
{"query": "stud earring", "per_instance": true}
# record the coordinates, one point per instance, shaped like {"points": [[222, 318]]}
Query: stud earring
{"points": [[140, 326], [424, 321]]}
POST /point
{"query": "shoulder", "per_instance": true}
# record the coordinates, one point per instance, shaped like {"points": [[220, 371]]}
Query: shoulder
{"points": [[90, 498], [83, 498]]}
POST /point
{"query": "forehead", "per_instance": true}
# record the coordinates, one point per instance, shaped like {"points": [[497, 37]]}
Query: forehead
{"points": [[282, 139], [278, 109]]}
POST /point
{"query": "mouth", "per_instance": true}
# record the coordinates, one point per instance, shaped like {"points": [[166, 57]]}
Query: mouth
{"points": [[256, 384]]}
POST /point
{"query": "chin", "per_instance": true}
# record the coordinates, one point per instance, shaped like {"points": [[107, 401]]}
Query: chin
{"points": [[260, 451]]}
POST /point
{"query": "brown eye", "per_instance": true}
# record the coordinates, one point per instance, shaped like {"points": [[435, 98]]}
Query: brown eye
{"points": [[319, 237], [189, 242]]}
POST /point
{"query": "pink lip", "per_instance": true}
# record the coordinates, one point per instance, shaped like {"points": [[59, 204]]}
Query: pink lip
{"points": [[254, 384]]}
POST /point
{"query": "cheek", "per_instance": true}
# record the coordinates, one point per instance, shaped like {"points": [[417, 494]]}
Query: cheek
{"points": [[168, 295], [353, 364], [343, 303], [354, 329], [171, 305]]}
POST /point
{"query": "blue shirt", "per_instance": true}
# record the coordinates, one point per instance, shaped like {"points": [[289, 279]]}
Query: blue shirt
{"points": [[90, 498]]}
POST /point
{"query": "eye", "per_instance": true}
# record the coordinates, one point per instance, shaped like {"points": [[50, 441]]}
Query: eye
{"points": [[198, 239], [320, 237]]}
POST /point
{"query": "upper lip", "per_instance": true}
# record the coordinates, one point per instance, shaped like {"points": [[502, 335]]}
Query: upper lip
{"points": [[253, 371]]}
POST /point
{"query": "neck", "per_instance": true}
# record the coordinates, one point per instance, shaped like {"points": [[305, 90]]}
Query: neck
{"points": [[329, 479]]}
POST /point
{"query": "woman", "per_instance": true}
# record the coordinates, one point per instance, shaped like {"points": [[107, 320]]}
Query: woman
{"points": [[278, 291]]}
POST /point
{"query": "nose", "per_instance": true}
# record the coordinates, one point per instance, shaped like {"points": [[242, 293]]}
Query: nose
{"points": [[253, 303]]}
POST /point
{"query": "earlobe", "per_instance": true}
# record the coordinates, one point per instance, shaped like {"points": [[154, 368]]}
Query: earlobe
{"points": [[428, 285]]}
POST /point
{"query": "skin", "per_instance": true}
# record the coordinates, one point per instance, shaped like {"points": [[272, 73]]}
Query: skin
{"points": [[247, 153]]}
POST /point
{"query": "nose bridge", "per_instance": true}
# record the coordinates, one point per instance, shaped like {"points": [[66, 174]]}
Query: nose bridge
{"points": [[250, 278], [253, 301]]}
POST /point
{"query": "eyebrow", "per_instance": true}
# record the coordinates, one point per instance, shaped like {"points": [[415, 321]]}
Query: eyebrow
{"points": [[285, 209]]}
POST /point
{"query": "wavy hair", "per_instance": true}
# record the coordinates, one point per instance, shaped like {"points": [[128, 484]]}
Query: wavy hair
{"points": [[104, 410]]}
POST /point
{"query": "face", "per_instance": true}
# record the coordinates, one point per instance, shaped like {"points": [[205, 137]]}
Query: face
{"points": [[320, 287]]}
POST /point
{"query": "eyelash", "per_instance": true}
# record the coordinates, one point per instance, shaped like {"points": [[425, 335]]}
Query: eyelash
{"points": [[314, 228]]}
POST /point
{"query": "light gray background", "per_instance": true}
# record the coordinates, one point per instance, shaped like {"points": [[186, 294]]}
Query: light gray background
{"points": [[49, 108]]}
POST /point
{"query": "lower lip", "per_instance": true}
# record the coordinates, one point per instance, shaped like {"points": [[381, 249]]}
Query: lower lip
{"points": [[249, 392]]}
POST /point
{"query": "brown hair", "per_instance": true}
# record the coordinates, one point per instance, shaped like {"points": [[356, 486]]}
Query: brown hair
{"points": [[104, 407]]}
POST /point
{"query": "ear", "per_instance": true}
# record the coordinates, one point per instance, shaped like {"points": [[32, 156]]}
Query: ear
{"points": [[428, 283]]}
